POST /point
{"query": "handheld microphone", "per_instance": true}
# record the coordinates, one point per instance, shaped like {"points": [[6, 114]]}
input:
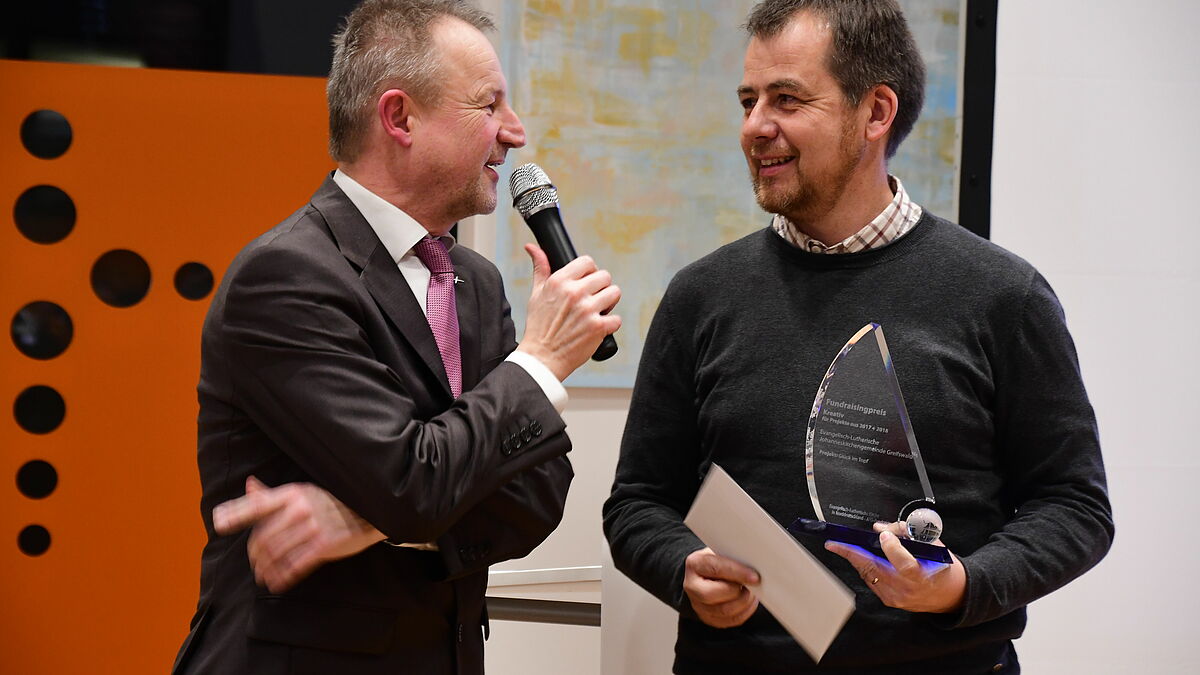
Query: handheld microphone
{"points": [[537, 201]]}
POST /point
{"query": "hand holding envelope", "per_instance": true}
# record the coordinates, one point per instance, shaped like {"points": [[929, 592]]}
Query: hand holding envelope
{"points": [[807, 599], [719, 588]]}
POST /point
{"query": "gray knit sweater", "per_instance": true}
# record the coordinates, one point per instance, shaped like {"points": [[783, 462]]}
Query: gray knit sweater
{"points": [[732, 362]]}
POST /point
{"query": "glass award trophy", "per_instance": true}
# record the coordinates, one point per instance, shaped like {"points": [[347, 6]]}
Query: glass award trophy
{"points": [[861, 457]]}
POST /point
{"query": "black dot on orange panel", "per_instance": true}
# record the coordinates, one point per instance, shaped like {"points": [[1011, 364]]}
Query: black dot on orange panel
{"points": [[42, 330], [44, 214], [34, 540], [121, 278], [46, 134], [37, 479], [193, 280], [39, 409]]}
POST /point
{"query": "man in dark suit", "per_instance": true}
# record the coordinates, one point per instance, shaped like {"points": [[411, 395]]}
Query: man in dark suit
{"points": [[362, 364]]}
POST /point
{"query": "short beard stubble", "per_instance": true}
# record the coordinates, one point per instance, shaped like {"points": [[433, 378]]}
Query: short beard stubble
{"points": [[814, 195]]}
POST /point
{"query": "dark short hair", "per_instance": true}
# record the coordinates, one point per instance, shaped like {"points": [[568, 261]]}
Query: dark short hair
{"points": [[871, 45], [385, 44]]}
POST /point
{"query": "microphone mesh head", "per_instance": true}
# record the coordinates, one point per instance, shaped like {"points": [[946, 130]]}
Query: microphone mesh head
{"points": [[531, 189]]}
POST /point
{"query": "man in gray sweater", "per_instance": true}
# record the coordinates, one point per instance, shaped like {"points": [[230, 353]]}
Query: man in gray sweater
{"points": [[743, 337]]}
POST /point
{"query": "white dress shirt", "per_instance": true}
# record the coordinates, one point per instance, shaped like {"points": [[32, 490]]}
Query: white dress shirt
{"points": [[399, 233]]}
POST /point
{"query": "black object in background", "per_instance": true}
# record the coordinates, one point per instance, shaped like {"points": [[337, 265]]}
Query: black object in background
{"points": [[978, 111], [275, 37]]}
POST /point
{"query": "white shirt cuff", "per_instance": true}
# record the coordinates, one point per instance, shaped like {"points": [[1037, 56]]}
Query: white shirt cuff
{"points": [[550, 385]]}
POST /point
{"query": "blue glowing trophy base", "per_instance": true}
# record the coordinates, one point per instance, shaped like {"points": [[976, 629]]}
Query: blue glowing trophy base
{"points": [[823, 531]]}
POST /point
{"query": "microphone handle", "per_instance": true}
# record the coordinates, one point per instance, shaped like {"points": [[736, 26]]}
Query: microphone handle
{"points": [[548, 229], [551, 236]]}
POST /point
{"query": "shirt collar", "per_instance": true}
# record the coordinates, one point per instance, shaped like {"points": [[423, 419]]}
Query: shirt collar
{"points": [[900, 215], [396, 229]]}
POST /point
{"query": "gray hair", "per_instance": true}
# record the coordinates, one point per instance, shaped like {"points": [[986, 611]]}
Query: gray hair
{"points": [[386, 44], [871, 45]]}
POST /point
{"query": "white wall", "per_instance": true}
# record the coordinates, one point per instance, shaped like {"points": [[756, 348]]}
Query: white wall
{"points": [[1094, 136], [1095, 145], [595, 418]]}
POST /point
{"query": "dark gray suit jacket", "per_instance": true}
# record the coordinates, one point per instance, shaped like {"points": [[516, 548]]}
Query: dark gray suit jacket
{"points": [[318, 365]]}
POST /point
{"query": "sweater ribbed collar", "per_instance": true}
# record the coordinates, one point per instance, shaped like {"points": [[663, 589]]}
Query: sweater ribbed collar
{"points": [[875, 256]]}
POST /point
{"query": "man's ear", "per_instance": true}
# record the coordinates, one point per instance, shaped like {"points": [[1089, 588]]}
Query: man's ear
{"points": [[397, 116], [881, 103]]}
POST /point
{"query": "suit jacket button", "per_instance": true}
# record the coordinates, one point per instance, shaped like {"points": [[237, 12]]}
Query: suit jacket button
{"points": [[526, 434], [505, 448], [536, 428], [515, 440]]}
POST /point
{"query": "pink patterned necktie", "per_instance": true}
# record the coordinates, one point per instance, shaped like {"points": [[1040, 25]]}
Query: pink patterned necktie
{"points": [[440, 309]]}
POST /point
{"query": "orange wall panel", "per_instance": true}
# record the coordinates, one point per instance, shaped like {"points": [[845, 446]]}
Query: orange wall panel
{"points": [[178, 167]]}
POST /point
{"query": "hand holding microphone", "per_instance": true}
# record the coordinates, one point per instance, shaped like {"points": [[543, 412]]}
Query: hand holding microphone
{"points": [[571, 296]]}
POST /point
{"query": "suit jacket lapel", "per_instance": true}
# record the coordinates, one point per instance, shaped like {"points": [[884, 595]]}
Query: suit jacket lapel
{"points": [[379, 274], [466, 300]]}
